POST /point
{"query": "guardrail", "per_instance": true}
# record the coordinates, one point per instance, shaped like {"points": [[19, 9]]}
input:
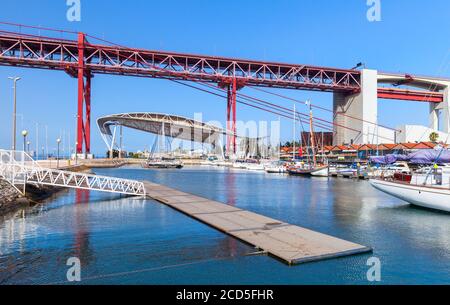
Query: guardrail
{"points": [[18, 168]]}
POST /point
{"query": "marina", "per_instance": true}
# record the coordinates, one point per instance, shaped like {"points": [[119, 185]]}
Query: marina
{"points": [[174, 150], [163, 246]]}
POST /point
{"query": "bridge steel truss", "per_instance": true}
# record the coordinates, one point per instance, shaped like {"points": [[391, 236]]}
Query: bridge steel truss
{"points": [[18, 168], [81, 59]]}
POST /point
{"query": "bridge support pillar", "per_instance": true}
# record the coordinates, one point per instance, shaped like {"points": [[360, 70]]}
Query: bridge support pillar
{"points": [[84, 100], [362, 105], [440, 114], [231, 117]]}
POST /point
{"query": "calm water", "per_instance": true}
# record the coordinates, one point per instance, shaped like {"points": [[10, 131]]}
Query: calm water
{"points": [[129, 241]]}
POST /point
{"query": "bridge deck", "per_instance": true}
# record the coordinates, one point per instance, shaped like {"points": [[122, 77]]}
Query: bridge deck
{"points": [[290, 243]]}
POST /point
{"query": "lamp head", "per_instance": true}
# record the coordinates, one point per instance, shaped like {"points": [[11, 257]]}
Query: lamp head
{"points": [[24, 133]]}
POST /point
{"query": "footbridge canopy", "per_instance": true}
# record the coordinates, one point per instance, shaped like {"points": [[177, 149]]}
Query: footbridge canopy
{"points": [[162, 124]]}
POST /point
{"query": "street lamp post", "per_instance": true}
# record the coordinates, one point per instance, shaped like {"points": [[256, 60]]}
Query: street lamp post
{"points": [[28, 146], [15, 80], [24, 134], [76, 153], [57, 155]]}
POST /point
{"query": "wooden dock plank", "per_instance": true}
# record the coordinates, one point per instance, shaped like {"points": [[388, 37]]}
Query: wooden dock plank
{"points": [[290, 243]]}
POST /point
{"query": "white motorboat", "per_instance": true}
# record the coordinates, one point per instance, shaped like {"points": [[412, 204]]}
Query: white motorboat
{"points": [[426, 189], [276, 168], [389, 171], [347, 171], [333, 169], [254, 166], [240, 164], [249, 164]]}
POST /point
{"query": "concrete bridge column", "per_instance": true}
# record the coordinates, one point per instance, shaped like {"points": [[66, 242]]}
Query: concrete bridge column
{"points": [[363, 105], [442, 120]]}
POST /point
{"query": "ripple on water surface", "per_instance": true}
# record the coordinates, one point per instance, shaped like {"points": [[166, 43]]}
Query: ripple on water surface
{"points": [[131, 241]]}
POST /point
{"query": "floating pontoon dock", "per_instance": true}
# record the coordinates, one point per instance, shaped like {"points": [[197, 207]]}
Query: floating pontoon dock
{"points": [[290, 243]]}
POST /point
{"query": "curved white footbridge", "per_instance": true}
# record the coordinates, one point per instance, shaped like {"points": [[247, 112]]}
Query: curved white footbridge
{"points": [[289, 243]]}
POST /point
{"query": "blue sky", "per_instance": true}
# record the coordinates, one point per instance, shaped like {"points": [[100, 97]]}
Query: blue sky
{"points": [[410, 38]]}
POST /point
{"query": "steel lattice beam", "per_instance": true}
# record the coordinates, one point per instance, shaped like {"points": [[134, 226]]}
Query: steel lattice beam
{"points": [[20, 168], [80, 59], [60, 54]]}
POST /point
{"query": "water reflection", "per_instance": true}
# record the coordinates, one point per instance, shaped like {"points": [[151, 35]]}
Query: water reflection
{"points": [[112, 234], [230, 245], [230, 186], [81, 246]]}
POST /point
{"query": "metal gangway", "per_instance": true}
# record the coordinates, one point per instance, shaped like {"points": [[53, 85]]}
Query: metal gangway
{"points": [[19, 169]]}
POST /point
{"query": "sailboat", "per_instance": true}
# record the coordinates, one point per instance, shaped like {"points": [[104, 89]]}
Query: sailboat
{"points": [[427, 190], [311, 169], [428, 187], [160, 161]]}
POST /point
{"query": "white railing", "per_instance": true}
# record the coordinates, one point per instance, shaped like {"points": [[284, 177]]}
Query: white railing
{"points": [[18, 168]]}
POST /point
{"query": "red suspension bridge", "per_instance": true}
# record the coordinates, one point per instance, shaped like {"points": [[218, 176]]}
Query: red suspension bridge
{"points": [[82, 59]]}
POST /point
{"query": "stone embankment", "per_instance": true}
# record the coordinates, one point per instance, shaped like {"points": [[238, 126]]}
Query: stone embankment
{"points": [[10, 198]]}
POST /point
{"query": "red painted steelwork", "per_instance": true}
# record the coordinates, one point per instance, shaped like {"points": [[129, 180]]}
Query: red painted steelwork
{"points": [[52, 53], [80, 59], [84, 99], [410, 95], [233, 105]]}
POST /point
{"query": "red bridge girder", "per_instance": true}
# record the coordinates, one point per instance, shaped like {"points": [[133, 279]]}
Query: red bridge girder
{"points": [[81, 59], [411, 95], [60, 54]]}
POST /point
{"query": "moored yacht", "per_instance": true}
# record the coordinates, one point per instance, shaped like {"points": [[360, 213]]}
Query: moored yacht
{"points": [[307, 170], [313, 168], [426, 188], [276, 168], [163, 163], [321, 171]]}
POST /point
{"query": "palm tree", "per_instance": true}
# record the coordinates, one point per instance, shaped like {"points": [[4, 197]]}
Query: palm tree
{"points": [[434, 136]]}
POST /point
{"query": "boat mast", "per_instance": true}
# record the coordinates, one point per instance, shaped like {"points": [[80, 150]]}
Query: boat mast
{"points": [[294, 134], [279, 144], [311, 132], [323, 154]]}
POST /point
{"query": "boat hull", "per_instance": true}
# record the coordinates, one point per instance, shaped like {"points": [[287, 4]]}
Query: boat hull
{"points": [[319, 171], [163, 166], [427, 197], [255, 167], [298, 172], [322, 172], [276, 170]]}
